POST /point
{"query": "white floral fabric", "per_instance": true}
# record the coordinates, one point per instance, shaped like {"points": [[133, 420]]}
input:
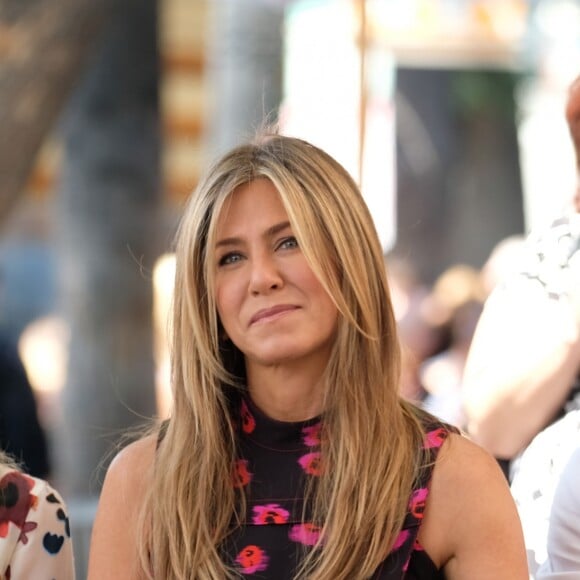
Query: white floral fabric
{"points": [[35, 541]]}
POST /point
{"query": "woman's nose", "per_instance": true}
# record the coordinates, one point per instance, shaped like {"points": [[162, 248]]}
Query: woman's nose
{"points": [[265, 275]]}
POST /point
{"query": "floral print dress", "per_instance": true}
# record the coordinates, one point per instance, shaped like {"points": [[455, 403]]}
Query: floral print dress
{"points": [[35, 539], [276, 459]]}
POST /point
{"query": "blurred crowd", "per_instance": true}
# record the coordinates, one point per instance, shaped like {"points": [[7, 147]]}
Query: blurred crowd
{"points": [[437, 322], [497, 353]]}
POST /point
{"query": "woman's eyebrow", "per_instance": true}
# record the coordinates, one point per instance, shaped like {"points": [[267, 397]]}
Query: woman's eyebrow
{"points": [[276, 229], [228, 242], [270, 232]]}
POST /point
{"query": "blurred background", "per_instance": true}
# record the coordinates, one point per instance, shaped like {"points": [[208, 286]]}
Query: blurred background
{"points": [[449, 113]]}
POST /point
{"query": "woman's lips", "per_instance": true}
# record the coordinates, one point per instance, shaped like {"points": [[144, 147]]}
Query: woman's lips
{"points": [[269, 313]]}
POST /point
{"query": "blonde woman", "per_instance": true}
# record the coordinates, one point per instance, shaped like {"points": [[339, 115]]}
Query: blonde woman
{"points": [[289, 452], [34, 529]]}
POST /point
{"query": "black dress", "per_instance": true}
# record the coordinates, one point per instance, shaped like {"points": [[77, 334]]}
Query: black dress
{"points": [[275, 459]]}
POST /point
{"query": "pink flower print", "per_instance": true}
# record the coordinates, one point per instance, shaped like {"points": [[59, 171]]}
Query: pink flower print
{"points": [[435, 438], [417, 547], [418, 501], [312, 435], [401, 539], [26, 528], [241, 475], [252, 559], [310, 463], [15, 501], [305, 534], [270, 513], [248, 421]]}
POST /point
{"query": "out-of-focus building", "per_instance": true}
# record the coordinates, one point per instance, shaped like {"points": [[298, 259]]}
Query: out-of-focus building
{"points": [[466, 94]]}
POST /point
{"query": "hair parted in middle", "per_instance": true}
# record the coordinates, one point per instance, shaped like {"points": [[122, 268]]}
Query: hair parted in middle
{"points": [[371, 437]]}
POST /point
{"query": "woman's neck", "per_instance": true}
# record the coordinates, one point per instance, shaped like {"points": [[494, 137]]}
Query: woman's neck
{"points": [[286, 394]]}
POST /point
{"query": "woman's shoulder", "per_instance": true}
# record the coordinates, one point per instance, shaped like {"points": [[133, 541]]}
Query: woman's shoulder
{"points": [[131, 465], [115, 537], [464, 474], [461, 457], [459, 471], [467, 480], [134, 453], [127, 479], [470, 502]]}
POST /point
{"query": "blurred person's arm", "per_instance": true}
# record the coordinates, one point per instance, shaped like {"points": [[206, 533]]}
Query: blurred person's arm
{"points": [[522, 363], [525, 355]]}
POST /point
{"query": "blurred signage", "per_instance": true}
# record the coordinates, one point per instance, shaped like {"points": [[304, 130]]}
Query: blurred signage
{"points": [[450, 32]]}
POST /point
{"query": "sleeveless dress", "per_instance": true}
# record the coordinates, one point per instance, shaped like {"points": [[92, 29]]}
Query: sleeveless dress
{"points": [[275, 459]]}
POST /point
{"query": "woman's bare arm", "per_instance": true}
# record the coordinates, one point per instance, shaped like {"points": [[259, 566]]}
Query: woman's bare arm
{"points": [[115, 537], [471, 527]]}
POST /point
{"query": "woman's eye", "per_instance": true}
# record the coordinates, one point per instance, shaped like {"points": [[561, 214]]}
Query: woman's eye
{"points": [[230, 258], [288, 243]]}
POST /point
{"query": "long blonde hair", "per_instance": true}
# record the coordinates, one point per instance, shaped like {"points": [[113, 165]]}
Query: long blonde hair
{"points": [[372, 437]]}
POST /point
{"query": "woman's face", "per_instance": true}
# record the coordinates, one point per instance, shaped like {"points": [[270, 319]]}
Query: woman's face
{"points": [[269, 301]]}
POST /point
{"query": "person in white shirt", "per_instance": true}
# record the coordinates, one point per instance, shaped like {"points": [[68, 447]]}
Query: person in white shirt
{"points": [[523, 367], [538, 476], [563, 542]]}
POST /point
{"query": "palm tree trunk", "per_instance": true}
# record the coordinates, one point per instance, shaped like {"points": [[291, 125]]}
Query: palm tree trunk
{"points": [[108, 224], [245, 69]]}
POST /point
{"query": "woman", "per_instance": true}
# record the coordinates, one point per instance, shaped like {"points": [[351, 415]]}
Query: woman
{"points": [[289, 452], [34, 530]]}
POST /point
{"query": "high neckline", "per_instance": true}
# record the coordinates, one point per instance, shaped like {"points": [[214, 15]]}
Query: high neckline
{"points": [[271, 433]]}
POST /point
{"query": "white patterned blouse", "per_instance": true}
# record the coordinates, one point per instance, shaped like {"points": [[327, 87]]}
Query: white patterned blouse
{"points": [[35, 538]]}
